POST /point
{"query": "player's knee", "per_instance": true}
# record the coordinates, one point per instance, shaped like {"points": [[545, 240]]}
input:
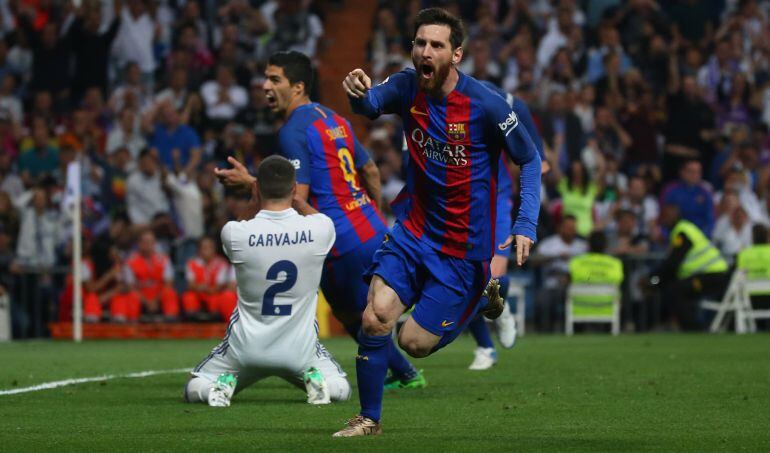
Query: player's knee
{"points": [[194, 389], [415, 348], [375, 321], [339, 389]]}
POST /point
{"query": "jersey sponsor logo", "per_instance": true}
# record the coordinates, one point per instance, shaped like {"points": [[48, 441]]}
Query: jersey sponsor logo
{"points": [[414, 111], [456, 131], [297, 164], [446, 323], [337, 132], [510, 123], [279, 239], [358, 202], [448, 154]]}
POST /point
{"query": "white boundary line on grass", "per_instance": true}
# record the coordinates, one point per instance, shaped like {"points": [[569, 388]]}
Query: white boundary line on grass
{"points": [[108, 377]]}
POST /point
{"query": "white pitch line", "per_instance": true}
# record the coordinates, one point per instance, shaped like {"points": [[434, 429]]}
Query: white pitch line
{"points": [[66, 382]]}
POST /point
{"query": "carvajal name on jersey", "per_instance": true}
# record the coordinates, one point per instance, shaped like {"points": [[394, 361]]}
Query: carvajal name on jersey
{"points": [[279, 239]]}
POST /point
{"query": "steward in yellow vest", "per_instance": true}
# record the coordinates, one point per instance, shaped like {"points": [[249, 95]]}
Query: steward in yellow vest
{"points": [[693, 269], [596, 268]]}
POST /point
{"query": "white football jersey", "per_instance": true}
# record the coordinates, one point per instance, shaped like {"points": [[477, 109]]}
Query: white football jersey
{"points": [[278, 257]]}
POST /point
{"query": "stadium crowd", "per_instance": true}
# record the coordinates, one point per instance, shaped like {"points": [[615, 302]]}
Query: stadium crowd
{"points": [[641, 104]]}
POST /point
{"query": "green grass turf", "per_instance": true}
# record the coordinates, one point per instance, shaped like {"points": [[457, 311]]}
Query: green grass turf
{"points": [[550, 393]]}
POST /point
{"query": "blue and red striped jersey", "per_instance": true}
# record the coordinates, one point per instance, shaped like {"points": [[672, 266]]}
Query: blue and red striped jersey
{"points": [[454, 148], [327, 157]]}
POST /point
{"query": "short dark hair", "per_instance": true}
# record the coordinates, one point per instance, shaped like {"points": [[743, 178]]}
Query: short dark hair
{"points": [[296, 67], [440, 16], [597, 242], [276, 178], [759, 234]]}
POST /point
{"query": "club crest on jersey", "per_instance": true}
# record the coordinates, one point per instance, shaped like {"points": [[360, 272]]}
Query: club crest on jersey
{"points": [[456, 131]]}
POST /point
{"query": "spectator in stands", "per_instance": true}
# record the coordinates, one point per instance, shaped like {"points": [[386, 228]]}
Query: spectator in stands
{"points": [[190, 53], [732, 232], [145, 198], [611, 138], [207, 296], [149, 275], [125, 134], [8, 138], [10, 102], [6, 261], [293, 27], [553, 254], [176, 93], [42, 107], [9, 218], [134, 43], [562, 132], [115, 172], [578, 191], [693, 197], [690, 126], [91, 48], [39, 232], [132, 93], [625, 238], [42, 159], [50, 57], [644, 206], [223, 98], [186, 199], [177, 144], [83, 134], [556, 38]]}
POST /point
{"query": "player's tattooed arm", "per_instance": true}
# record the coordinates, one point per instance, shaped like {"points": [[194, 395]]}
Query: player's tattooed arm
{"points": [[371, 182], [237, 177]]}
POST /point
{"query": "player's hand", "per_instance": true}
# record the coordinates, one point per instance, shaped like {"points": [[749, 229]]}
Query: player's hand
{"points": [[237, 176], [523, 246], [356, 83]]}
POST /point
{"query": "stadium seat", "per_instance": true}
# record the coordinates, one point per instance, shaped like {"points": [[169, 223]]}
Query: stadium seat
{"points": [[588, 303], [737, 301]]}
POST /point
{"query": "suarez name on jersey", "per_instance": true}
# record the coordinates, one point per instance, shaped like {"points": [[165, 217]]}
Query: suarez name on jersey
{"points": [[327, 157]]}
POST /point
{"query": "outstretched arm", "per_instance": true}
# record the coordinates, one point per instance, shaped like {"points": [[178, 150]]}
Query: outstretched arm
{"points": [[237, 177], [374, 101]]}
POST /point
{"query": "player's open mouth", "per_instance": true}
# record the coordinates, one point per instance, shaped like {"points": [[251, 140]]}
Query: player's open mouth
{"points": [[426, 71], [271, 102]]}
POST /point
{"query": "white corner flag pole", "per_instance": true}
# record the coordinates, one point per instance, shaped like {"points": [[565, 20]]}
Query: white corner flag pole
{"points": [[72, 196]]}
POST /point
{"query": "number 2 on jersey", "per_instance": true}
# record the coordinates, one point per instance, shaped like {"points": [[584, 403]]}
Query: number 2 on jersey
{"points": [[348, 168], [268, 301]]}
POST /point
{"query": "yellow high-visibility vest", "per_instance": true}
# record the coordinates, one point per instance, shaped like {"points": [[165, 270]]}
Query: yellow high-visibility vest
{"points": [[703, 257]]}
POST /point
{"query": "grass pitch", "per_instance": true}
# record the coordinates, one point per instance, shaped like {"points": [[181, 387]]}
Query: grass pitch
{"points": [[550, 393]]}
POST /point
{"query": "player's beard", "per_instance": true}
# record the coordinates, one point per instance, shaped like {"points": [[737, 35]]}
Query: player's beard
{"points": [[434, 84]]}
